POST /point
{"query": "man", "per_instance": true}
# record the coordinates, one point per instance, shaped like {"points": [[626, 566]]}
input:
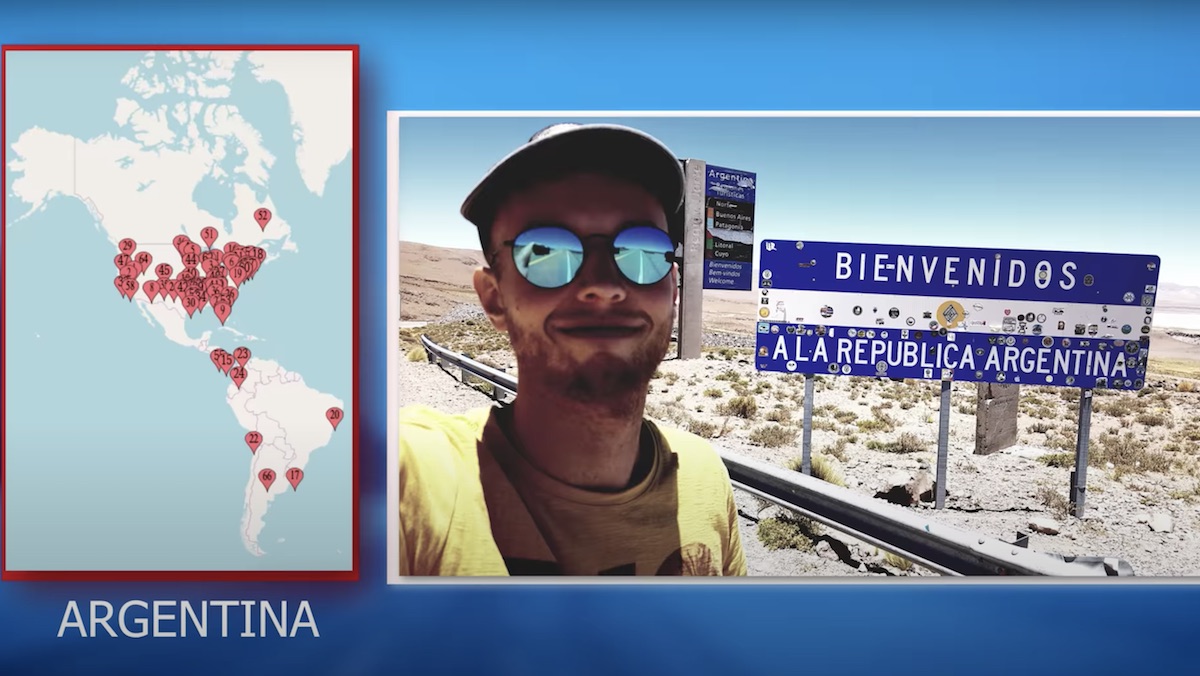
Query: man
{"points": [[578, 227]]}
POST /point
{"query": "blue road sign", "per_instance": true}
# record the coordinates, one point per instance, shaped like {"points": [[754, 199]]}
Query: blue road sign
{"points": [[935, 355], [729, 228], [945, 272], [988, 315]]}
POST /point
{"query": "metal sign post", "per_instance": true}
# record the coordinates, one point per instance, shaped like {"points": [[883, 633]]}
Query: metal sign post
{"points": [[806, 446], [943, 446], [1079, 476]]}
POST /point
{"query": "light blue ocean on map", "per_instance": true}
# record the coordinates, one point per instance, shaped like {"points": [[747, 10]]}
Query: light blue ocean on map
{"points": [[122, 453]]}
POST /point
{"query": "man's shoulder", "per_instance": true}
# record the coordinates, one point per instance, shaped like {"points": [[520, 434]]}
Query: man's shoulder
{"points": [[693, 451], [442, 443], [425, 421]]}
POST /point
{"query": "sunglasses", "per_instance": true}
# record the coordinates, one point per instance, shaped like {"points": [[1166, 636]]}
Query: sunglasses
{"points": [[549, 256]]}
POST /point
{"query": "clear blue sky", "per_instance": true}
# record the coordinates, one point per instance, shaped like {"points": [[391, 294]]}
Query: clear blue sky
{"points": [[1121, 185]]}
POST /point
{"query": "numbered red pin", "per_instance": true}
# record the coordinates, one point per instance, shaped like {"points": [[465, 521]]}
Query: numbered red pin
{"points": [[253, 440], [144, 259], [242, 355], [334, 416], [127, 246], [150, 287], [222, 309], [294, 476], [238, 374], [267, 477], [262, 217], [221, 359], [209, 235]]}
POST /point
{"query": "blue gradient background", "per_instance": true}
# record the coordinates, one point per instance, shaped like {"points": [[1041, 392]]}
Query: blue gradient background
{"points": [[613, 55]]}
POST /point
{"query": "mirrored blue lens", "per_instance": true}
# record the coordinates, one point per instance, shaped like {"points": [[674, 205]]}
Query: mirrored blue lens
{"points": [[644, 254], [548, 257]]}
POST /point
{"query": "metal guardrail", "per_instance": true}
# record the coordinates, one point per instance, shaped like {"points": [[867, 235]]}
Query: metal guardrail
{"points": [[941, 548]]}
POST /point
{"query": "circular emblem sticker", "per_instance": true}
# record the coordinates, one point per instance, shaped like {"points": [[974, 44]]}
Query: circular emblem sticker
{"points": [[1128, 297], [791, 366], [1088, 280], [766, 274], [846, 369], [764, 312], [950, 314]]}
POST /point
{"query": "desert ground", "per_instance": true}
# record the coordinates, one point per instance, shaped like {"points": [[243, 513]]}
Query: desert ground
{"points": [[870, 435]]}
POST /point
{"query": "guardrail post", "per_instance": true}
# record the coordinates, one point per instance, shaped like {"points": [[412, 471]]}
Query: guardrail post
{"points": [[806, 444], [1079, 476], [943, 447]]}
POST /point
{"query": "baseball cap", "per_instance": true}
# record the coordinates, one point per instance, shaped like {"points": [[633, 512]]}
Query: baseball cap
{"points": [[569, 148]]}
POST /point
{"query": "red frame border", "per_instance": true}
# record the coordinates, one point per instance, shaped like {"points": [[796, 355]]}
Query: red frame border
{"points": [[187, 575]]}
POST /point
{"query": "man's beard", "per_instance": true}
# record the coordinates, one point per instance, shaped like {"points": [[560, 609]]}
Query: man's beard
{"points": [[612, 384]]}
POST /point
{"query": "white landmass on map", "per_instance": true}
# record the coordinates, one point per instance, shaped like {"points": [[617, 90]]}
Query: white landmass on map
{"points": [[290, 416], [141, 186], [321, 98]]}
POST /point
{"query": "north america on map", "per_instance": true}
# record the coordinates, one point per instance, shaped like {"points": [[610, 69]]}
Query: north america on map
{"points": [[179, 310]]}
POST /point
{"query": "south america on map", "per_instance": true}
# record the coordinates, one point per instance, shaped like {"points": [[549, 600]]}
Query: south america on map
{"points": [[179, 310]]}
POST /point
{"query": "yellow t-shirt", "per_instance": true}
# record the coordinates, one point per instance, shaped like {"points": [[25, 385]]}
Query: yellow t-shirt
{"points": [[471, 505]]}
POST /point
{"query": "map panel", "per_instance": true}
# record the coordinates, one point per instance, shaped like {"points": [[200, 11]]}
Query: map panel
{"points": [[179, 299]]}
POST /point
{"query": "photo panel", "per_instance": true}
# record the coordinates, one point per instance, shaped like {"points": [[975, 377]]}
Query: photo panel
{"points": [[914, 346]]}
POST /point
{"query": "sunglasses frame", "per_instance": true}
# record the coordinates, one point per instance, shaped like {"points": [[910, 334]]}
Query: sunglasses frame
{"points": [[611, 248]]}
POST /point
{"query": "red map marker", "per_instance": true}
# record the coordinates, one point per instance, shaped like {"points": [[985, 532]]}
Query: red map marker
{"points": [[190, 303], [150, 286], [334, 416], [122, 260], [231, 247], [267, 477], [242, 355], [253, 439], [294, 476], [238, 373], [119, 282], [130, 270], [163, 270], [222, 309], [223, 360], [238, 275], [179, 241], [144, 259], [127, 246], [209, 235], [262, 216]]}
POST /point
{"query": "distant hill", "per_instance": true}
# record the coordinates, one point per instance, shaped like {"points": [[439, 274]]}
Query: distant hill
{"points": [[1178, 297]]}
